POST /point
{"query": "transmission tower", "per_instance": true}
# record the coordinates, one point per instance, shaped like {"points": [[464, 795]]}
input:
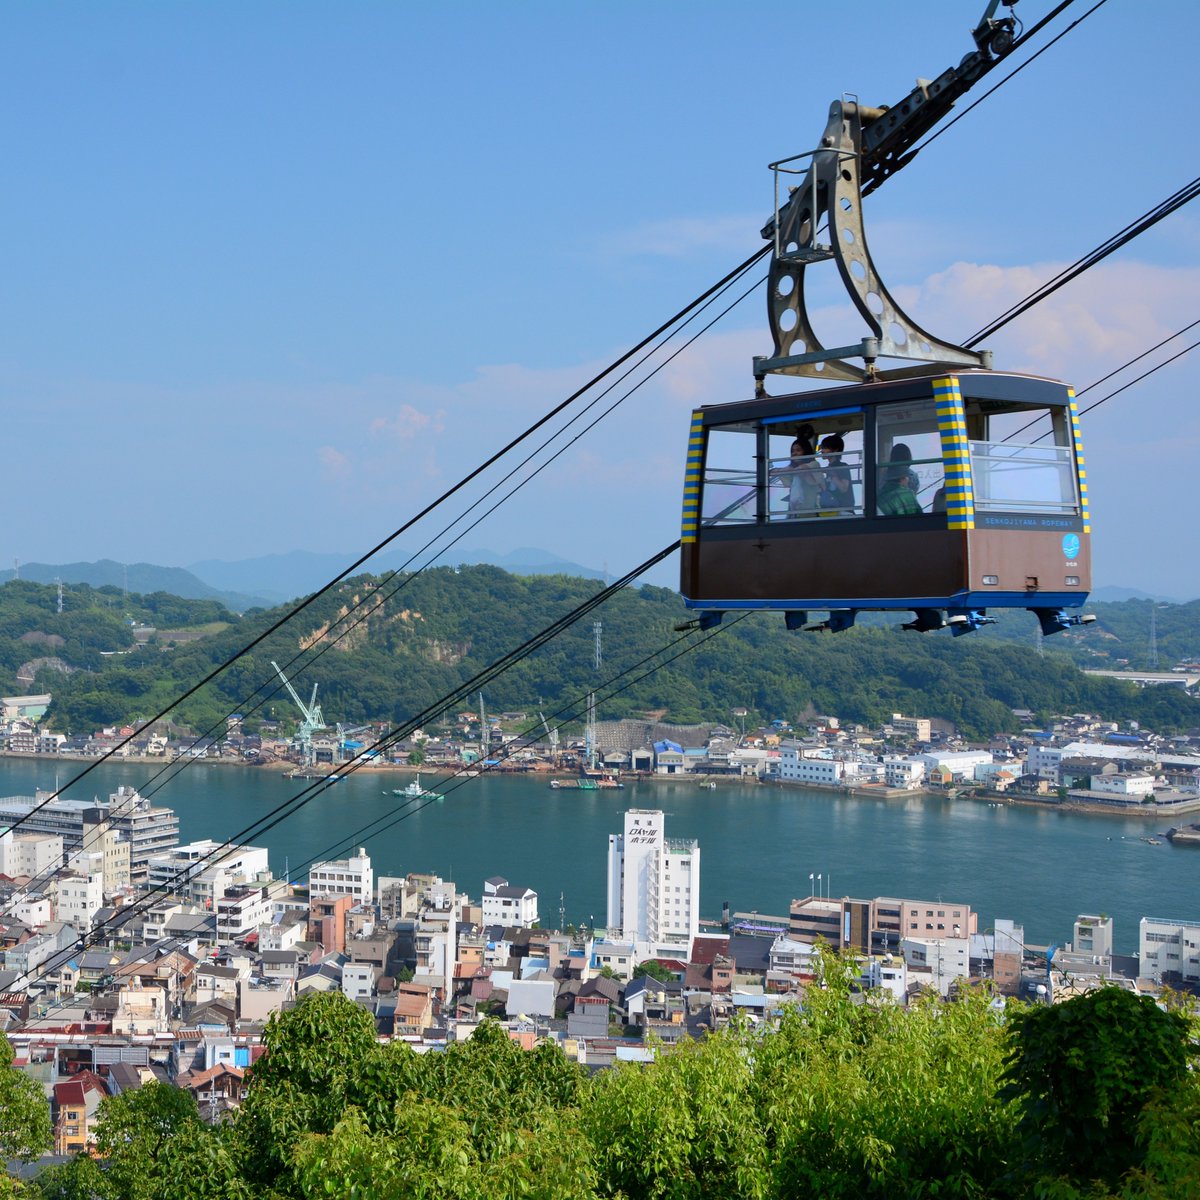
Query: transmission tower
{"points": [[598, 635], [1154, 635]]}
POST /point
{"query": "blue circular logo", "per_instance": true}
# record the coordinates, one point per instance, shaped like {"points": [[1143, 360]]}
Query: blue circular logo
{"points": [[1070, 544]]}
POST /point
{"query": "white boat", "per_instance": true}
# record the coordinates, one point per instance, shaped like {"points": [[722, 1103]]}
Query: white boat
{"points": [[415, 791]]}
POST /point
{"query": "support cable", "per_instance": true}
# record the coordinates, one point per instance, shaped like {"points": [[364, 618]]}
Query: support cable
{"points": [[455, 488]]}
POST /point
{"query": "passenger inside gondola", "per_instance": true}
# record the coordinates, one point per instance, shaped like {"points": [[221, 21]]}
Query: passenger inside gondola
{"points": [[909, 456], [897, 496], [803, 475]]}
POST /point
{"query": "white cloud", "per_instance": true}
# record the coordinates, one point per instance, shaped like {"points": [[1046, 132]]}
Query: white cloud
{"points": [[683, 236], [333, 462], [407, 423]]}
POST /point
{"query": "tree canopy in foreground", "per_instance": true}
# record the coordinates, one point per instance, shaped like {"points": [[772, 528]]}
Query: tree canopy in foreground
{"points": [[847, 1096]]}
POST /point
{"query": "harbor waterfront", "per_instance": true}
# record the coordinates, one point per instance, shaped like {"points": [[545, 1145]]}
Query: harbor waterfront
{"points": [[760, 843]]}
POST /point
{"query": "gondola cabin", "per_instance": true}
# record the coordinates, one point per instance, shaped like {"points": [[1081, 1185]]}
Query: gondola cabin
{"points": [[947, 495]]}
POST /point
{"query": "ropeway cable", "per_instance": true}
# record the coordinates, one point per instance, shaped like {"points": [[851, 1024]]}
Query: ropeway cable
{"points": [[370, 604], [1016, 71], [370, 828], [531, 736], [1147, 220], [454, 489], [293, 804]]}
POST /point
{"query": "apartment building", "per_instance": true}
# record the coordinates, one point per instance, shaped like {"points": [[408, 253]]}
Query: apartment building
{"points": [[344, 877], [1169, 950]]}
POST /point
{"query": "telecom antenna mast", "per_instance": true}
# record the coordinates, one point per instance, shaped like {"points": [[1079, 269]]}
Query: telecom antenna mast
{"points": [[313, 719]]}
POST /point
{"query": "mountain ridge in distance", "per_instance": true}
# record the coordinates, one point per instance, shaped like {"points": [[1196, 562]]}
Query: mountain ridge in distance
{"points": [[141, 578], [286, 575]]}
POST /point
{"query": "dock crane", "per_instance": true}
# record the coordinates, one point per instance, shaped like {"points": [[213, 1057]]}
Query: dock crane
{"points": [[552, 734], [311, 712]]}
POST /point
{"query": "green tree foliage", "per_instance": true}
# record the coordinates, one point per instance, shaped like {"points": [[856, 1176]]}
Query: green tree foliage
{"points": [[1086, 1072], [653, 970], [24, 1116], [849, 1096], [137, 1132]]}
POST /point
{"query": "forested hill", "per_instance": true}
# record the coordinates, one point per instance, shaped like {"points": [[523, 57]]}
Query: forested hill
{"points": [[423, 639]]}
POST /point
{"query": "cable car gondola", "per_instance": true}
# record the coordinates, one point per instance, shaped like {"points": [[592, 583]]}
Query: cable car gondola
{"points": [[941, 487], [993, 512]]}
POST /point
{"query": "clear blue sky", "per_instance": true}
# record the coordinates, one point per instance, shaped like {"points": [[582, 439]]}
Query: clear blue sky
{"points": [[274, 275]]}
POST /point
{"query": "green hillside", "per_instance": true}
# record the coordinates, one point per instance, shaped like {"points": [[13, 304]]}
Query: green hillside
{"points": [[383, 652]]}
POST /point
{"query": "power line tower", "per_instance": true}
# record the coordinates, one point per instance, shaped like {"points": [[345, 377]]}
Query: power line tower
{"points": [[1154, 635], [598, 636], [60, 594]]}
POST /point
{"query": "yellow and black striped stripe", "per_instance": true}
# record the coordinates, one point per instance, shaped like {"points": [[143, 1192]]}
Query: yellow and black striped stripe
{"points": [[956, 458], [1080, 466], [692, 474]]}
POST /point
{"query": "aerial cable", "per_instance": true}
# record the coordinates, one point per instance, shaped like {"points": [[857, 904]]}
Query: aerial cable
{"points": [[375, 600], [1165, 363], [455, 488], [531, 735], [1126, 366], [729, 277], [149, 793], [1126, 236], [1116, 371], [296, 609], [570, 708], [1016, 71], [294, 803], [1148, 219], [128, 913]]}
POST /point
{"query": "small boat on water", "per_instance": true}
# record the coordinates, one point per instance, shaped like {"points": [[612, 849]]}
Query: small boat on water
{"points": [[586, 784], [708, 785], [415, 791]]}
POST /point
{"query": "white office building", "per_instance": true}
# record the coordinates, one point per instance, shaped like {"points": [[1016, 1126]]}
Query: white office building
{"points": [[201, 871], [903, 772], [946, 959], [78, 898], [653, 881], [344, 877], [795, 767], [1169, 947], [29, 854], [510, 906], [960, 763]]}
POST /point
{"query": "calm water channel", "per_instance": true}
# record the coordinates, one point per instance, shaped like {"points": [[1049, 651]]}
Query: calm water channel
{"points": [[758, 844]]}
